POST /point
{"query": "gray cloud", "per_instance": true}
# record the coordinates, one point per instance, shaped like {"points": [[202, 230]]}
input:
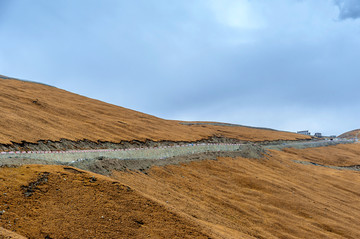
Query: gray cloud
{"points": [[348, 9]]}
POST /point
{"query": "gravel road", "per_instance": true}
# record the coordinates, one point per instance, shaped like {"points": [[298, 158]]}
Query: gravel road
{"points": [[105, 160]]}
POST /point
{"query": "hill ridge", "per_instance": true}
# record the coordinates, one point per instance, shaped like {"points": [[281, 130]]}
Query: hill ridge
{"points": [[34, 112], [350, 134]]}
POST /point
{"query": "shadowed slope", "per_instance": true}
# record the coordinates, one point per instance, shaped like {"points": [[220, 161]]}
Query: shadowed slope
{"points": [[31, 112]]}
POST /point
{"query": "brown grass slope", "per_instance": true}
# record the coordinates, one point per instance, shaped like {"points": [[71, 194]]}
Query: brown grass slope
{"points": [[351, 134], [6, 234], [56, 202], [272, 197], [31, 112], [252, 198], [342, 155]]}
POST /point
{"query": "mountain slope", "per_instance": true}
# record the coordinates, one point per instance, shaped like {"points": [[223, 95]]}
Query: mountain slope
{"points": [[351, 134], [273, 197], [6, 234], [40, 201], [31, 112]]}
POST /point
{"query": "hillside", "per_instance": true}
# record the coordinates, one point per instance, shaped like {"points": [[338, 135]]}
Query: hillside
{"points": [[32, 112], [272, 197], [249, 192], [351, 134], [6, 234], [61, 202]]}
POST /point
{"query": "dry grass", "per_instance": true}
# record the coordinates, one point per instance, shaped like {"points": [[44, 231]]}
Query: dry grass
{"points": [[6, 234], [351, 134], [340, 155], [249, 198], [32, 112], [72, 203], [227, 198]]}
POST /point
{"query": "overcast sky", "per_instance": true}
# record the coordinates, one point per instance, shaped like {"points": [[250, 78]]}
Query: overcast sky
{"points": [[284, 64]]}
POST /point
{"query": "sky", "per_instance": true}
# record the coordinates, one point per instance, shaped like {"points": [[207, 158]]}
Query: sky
{"points": [[284, 64]]}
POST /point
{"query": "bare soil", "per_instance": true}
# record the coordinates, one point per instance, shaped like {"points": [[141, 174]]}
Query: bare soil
{"points": [[64, 144]]}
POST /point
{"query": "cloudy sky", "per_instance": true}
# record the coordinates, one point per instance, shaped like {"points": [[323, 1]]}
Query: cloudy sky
{"points": [[283, 64]]}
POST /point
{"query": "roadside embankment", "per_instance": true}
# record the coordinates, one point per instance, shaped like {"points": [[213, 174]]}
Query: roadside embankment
{"points": [[103, 161]]}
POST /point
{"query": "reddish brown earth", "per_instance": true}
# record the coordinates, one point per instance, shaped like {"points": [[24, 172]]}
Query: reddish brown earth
{"points": [[31, 112]]}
